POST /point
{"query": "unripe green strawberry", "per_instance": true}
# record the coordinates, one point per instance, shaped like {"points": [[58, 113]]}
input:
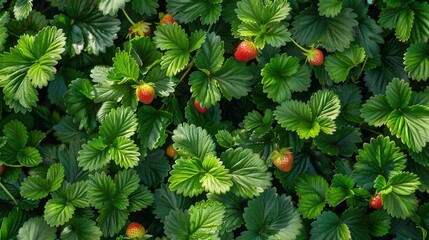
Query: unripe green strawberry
{"points": [[315, 57], [145, 93], [283, 159], [245, 51], [199, 108], [139, 29], [170, 151], [2, 168], [135, 231], [376, 202], [167, 18]]}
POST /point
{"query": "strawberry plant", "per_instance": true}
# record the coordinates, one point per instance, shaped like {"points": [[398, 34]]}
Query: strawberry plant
{"points": [[198, 119]]}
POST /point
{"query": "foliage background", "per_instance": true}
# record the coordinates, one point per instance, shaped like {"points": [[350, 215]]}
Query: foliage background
{"points": [[84, 158]]}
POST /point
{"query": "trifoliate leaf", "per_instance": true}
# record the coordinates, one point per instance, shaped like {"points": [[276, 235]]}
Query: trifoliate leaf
{"points": [[120, 122], [30, 65], [282, 76], [153, 168], [186, 11], [124, 69], [343, 142], [22, 8], [193, 140], [94, 154], [101, 190], [36, 228], [81, 228], [376, 110], [145, 7], [416, 61], [167, 201], [206, 218], [379, 157], [392, 54], [58, 211], [86, 28], [124, 152], [210, 56], [249, 172], [379, 223], [398, 94], [185, 178], [55, 176], [270, 216], [329, 8], [233, 210], [111, 7], [329, 226], [35, 187], [80, 105], [309, 27], [339, 64], [216, 178], [152, 126]]}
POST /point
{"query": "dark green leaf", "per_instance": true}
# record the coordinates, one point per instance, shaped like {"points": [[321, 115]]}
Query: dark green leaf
{"points": [[36, 228]]}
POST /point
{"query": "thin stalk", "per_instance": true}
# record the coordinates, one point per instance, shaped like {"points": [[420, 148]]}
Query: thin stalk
{"points": [[363, 66], [128, 17], [8, 193], [299, 46]]}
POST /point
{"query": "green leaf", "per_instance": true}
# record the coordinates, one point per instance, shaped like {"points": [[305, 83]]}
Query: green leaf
{"points": [[186, 11], [112, 220], [334, 33], [216, 178], [144, 52], [400, 206], [124, 152], [35, 187], [404, 23], [379, 223], [398, 94], [206, 218], [66, 130], [379, 157], [225, 139], [120, 122], [81, 228], [86, 28], [256, 123], [410, 125], [94, 154], [34, 22], [152, 126], [101, 190], [167, 201], [177, 224], [22, 9], [76, 194], [416, 61], [376, 110], [111, 7], [58, 211], [340, 190], [145, 7], [55, 176], [325, 103], [270, 216], [30, 65], [404, 183], [420, 30], [249, 172], [368, 35], [357, 222], [297, 116], [12, 222], [185, 178], [329, 226], [338, 65], [262, 13], [329, 8], [163, 85], [193, 140], [282, 76], [141, 198], [233, 210], [36, 228], [124, 69], [210, 55], [80, 105], [153, 168], [126, 181], [16, 134], [311, 184], [343, 142]]}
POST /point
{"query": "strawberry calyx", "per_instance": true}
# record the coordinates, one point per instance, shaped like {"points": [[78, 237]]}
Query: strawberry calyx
{"points": [[139, 29]]}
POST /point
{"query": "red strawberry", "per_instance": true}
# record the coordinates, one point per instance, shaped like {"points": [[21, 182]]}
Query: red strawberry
{"points": [[171, 152], [376, 202], [2, 168], [135, 231], [245, 51], [283, 159], [145, 93], [199, 108], [167, 18], [315, 57]]}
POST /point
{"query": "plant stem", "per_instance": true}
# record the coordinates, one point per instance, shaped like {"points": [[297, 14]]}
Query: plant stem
{"points": [[15, 166], [363, 66], [128, 17], [8, 193], [299, 46]]}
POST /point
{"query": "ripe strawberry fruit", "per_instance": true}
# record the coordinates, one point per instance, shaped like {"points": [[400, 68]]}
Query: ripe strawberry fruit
{"points": [[199, 108], [145, 93], [135, 231], [2, 168], [315, 57], [171, 152], [167, 18], [282, 159], [376, 202], [245, 51]]}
